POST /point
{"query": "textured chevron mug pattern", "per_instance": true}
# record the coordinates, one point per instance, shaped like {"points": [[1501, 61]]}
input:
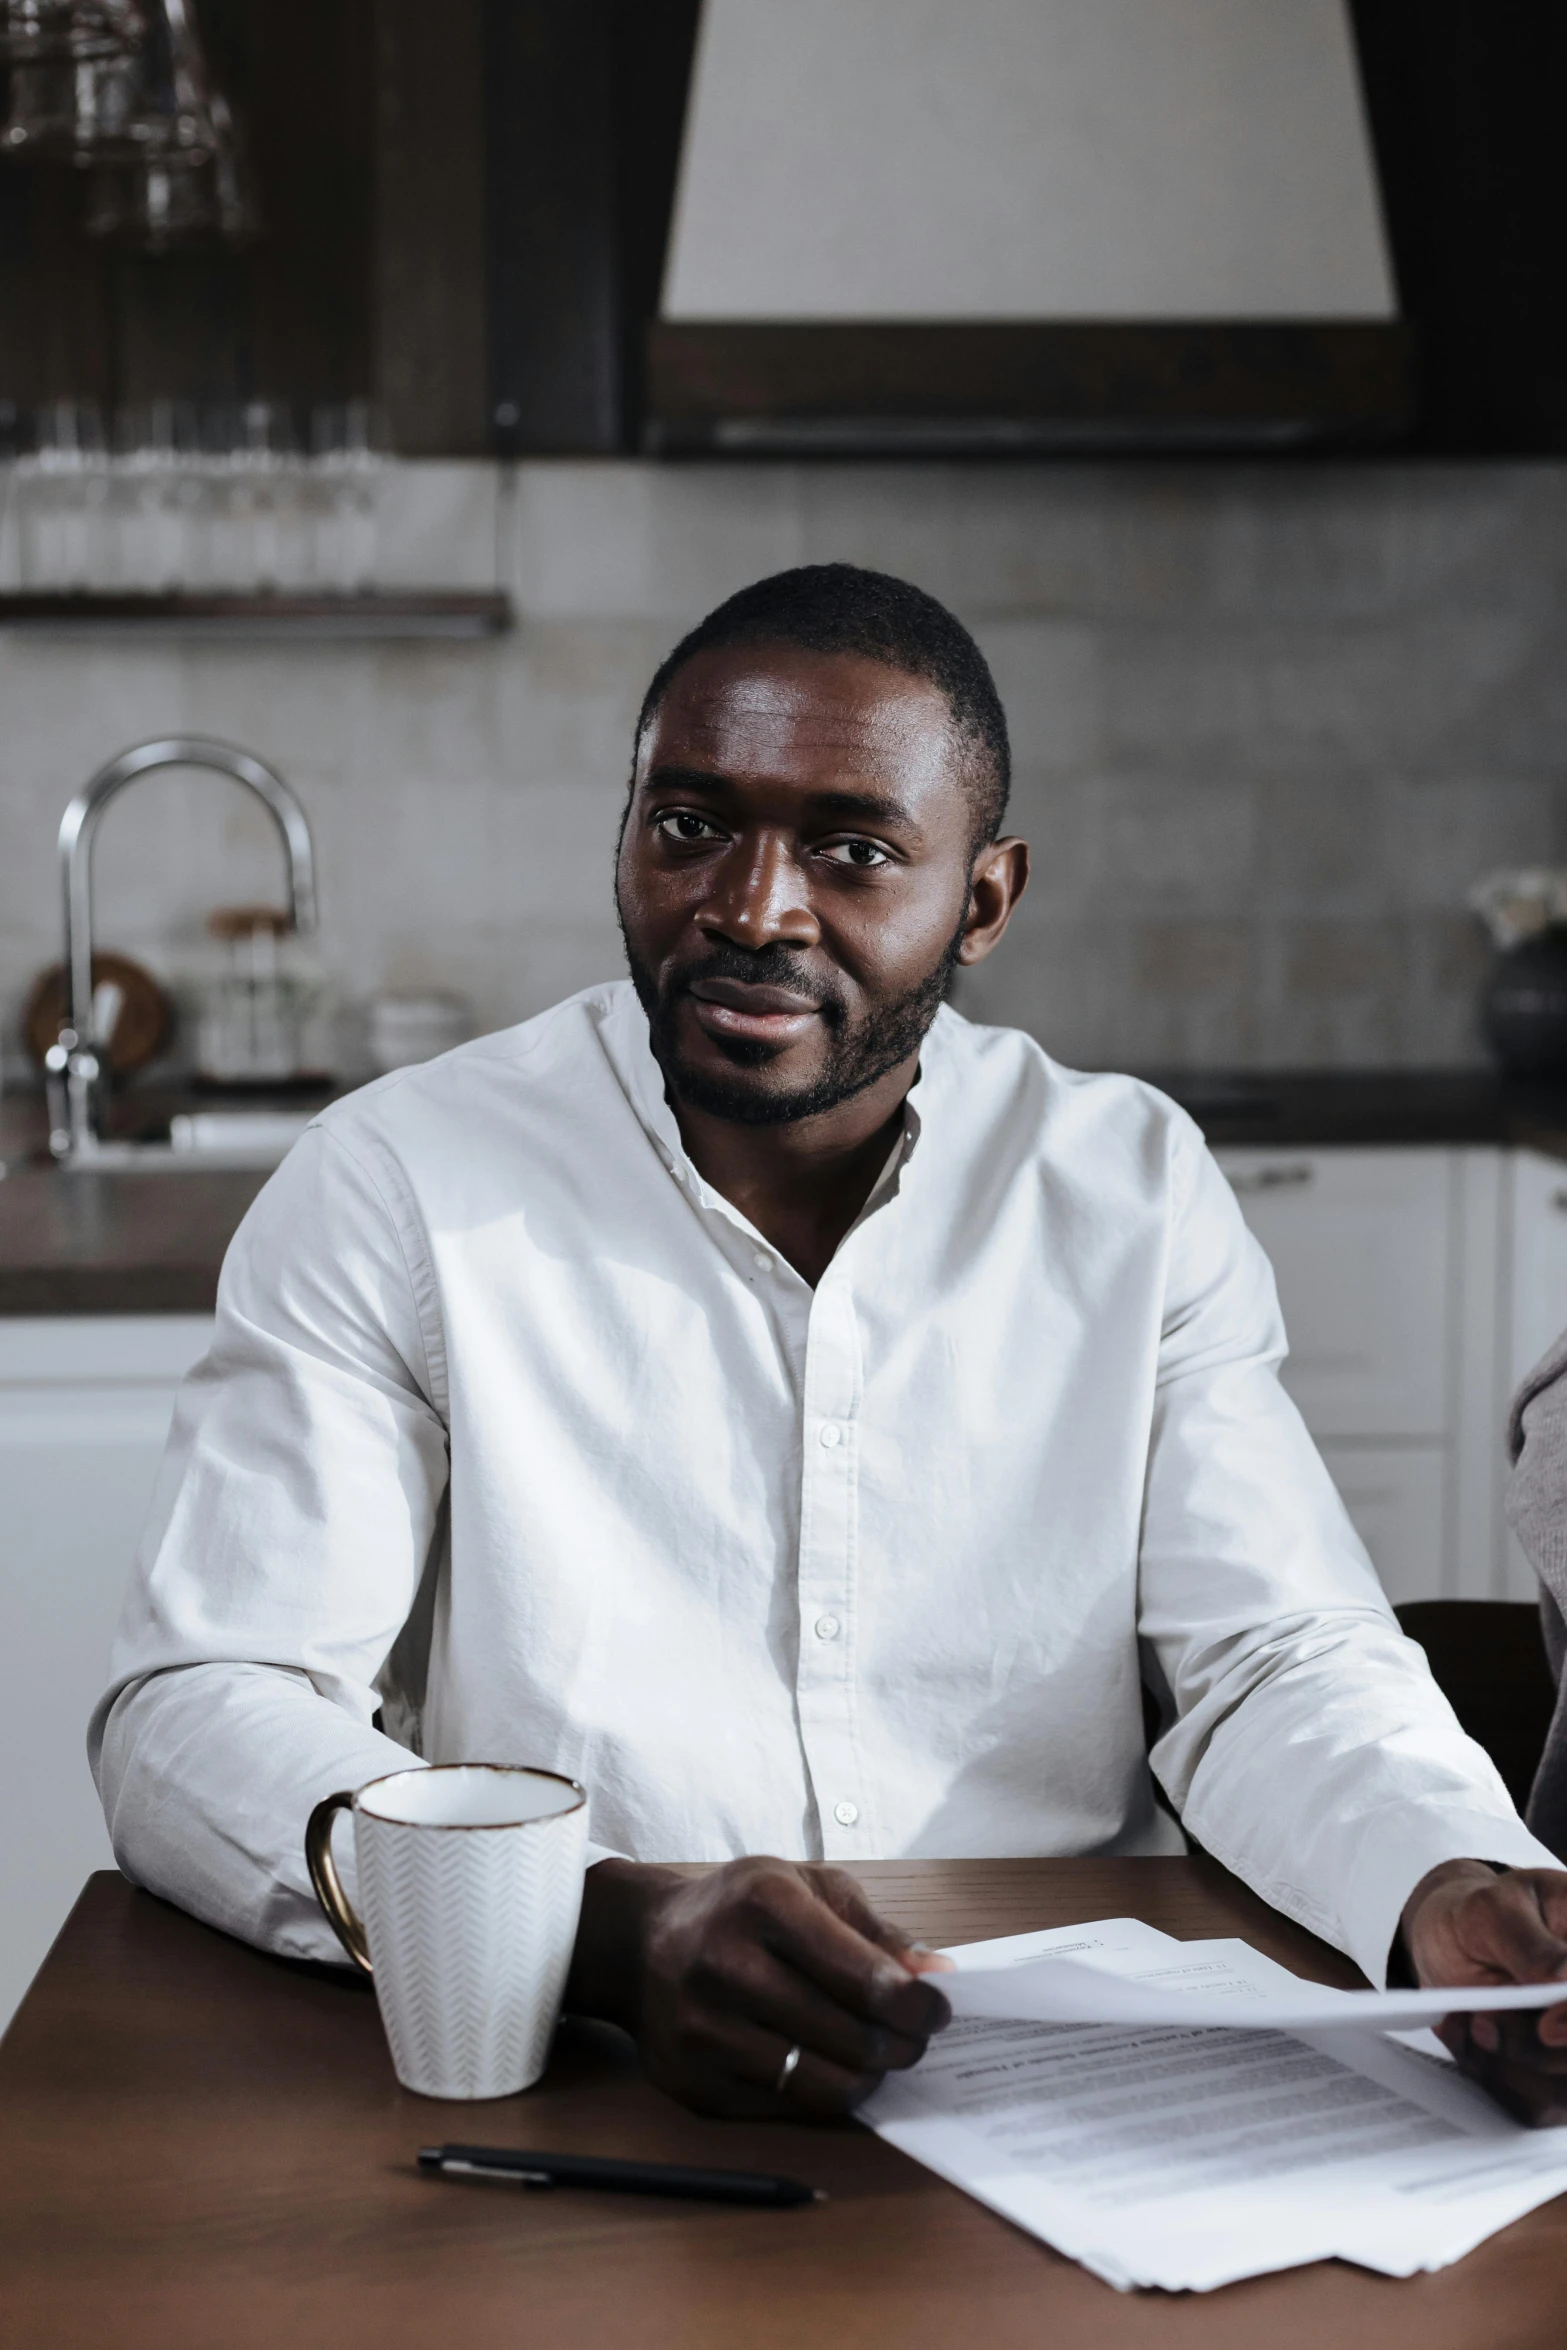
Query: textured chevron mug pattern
{"points": [[470, 1883]]}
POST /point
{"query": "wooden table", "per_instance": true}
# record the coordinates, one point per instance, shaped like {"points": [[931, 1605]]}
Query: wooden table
{"points": [[204, 2149]]}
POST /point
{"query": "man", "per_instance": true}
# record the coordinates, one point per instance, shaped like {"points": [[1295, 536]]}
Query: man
{"points": [[801, 1416]]}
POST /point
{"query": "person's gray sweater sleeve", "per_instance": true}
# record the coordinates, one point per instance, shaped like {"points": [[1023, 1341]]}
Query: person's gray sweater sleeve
{"points": [[1537, 1512]]}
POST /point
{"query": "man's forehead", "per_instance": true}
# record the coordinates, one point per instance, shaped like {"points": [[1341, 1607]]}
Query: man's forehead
{"points": [[773, 709]]}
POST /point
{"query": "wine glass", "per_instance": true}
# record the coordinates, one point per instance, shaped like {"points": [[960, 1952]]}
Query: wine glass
{"points": [[46, 32], [155, 445], [349, 445], [63, 489]]}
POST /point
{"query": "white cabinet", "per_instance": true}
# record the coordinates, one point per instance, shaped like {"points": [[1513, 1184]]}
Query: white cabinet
{"points": [[84, 1410], [1360, 1246], [1390, 1268], [1396, 1495]]}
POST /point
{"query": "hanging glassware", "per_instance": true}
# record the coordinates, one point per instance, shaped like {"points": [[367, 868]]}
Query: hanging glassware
{"points": [[62, 498], [59, 113], [156, 206], [155, 450], [251, 482], [349, 443], [150, 207], [43, 32], [262, 490], [152, 104]]}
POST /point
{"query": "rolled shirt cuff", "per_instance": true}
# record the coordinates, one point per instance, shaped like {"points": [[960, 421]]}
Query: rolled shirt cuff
{"points": [[1394, 1857]]}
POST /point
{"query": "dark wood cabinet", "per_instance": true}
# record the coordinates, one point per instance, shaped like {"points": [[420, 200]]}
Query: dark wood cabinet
{"points": [[364, 129], [465, 210], [467, 207], [1466, 100]]}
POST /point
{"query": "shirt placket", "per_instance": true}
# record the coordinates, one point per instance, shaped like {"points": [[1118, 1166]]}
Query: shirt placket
{"points": [[828, 1564]]}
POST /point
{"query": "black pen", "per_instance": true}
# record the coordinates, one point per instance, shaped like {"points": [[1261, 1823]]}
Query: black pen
{"points": [[521, 2169]]}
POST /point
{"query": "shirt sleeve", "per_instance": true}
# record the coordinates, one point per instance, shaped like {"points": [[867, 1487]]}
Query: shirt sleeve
{"points": [[291, 1523], [1310, 1751]]}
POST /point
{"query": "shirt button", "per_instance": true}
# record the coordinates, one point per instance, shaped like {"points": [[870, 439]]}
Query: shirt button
{"points": [[845, 1814], [762, 1261], [827, 1627], [832, 1434]]}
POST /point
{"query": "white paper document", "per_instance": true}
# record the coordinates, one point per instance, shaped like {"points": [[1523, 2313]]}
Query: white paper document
{"points": [[1050, 1989], [1186, 2155]]}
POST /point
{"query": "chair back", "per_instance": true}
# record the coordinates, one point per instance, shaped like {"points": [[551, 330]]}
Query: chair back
{"points": [[1488, 1658]]}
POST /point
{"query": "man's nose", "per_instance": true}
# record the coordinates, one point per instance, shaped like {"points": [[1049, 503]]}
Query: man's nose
{"points": [[760, 896]]}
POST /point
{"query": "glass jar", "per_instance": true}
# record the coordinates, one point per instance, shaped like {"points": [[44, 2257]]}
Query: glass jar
{"points": [[255, 999]]}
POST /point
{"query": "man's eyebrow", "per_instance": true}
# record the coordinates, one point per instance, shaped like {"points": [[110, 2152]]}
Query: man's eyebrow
{"points": [[846, 806], [685, 779], [866, 807]]}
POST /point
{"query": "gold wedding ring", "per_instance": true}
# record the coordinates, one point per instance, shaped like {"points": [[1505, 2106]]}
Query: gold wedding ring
{"points": [[786, 2070]]}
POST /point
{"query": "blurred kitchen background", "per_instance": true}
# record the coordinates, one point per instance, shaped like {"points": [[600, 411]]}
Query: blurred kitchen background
{"points": [[1280, 633], [384, 388]]}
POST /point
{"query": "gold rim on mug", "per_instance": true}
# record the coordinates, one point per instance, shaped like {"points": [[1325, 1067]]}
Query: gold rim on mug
{"points": [[341, 1916]]}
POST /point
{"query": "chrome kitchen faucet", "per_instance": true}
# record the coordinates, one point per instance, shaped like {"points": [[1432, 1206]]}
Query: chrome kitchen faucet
{"points": [[73, 1071]]}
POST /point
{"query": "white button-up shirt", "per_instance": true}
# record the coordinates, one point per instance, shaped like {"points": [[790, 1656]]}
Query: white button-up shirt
{"points": [[521, 1442]]}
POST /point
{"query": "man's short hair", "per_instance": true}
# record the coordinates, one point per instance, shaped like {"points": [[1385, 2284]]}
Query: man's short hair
{"points": [[839, 608]]}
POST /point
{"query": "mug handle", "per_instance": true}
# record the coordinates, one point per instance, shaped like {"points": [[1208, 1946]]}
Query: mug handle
{"points": [[348, 1928]]}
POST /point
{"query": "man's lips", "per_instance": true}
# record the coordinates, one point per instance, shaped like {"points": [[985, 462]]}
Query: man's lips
{"points": [[740, 1008], [747, 995]]}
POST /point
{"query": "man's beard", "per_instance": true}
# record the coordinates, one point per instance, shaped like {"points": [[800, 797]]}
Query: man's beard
{"points": [[858, 1053]]}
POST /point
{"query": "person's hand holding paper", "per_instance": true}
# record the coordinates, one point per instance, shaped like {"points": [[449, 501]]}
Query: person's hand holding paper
{"points": [[1464, 1924]]}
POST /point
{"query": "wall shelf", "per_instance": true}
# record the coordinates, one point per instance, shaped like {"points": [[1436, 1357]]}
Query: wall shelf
{"points": [[376, 615]]}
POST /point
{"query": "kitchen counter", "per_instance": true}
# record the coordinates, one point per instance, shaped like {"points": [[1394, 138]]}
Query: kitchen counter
{"points": [[153, 1244], [112, 1243], [1305, 1109]]}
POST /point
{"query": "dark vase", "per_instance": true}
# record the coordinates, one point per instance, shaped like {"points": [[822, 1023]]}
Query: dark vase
{"points": [[1525, 1010]]}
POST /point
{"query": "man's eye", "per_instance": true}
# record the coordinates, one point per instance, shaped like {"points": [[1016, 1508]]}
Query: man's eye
{"points": [[683, 824], [863, 855]]}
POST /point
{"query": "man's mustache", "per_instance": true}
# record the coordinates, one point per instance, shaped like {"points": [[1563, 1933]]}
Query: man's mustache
{"points": [[770, 966]]}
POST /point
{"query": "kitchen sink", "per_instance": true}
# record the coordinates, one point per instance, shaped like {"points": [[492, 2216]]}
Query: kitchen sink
{"points": [[238, 1139]]}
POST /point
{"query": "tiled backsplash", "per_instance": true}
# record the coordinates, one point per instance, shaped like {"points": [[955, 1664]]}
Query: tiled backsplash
{"points": [[1268, 724]]}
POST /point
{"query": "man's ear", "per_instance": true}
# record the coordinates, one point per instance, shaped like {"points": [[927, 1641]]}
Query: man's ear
{"points": [[999, 879]]}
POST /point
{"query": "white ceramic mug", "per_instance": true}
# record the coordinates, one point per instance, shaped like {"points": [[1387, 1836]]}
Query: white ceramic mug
{"points": [[470, 1879]]}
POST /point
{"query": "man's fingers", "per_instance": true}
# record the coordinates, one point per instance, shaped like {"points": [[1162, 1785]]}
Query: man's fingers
{"points": [[1504, 1927], [1516, 2038], [1521, 2087], [859, 1973], [756, 1959], [1550, 1891], [1501, 2055], [766, 1990], [736, 2068], [1546, 2026], [839, 1890], [1490, 1929]]}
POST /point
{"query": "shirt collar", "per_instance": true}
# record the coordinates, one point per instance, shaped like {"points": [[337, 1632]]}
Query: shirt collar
{"points": [[626, 1040]]}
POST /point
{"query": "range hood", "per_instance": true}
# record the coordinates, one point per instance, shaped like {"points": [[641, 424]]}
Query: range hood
{"points": [[1025, 224]]}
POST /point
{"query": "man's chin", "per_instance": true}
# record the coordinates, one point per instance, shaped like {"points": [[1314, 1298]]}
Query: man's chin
{"points": [[746, 1086]]}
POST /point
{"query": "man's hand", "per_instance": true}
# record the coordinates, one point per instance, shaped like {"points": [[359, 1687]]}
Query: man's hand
{"points": [[719, 1976], [1464, 1924]]}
